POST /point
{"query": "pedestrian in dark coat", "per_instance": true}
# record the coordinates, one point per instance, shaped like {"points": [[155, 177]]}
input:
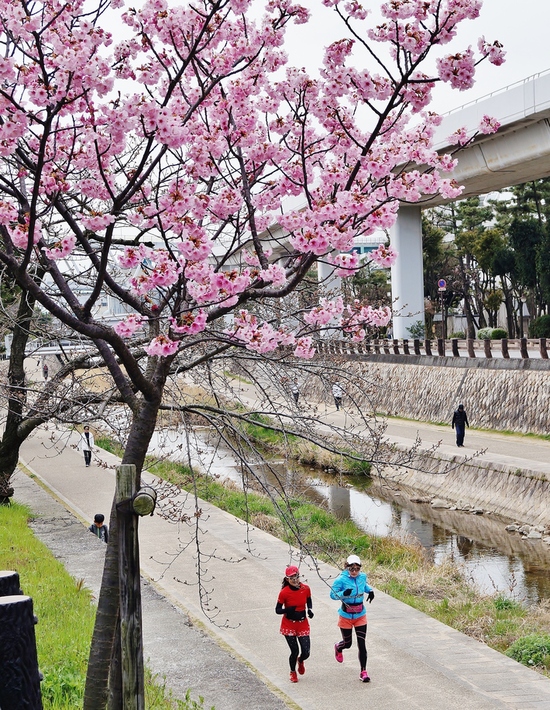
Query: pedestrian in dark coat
{"points": [[459, 424]]}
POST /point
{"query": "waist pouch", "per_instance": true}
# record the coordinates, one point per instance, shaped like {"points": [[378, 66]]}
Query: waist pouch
{"points": [[352, 608]]}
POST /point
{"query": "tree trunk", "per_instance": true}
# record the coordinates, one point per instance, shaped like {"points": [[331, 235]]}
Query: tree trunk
{"points": [[17, 397], [103, 680]]}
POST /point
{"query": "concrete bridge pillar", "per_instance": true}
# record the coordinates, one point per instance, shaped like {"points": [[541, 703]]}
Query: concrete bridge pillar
{"points": [[407, 274], [331, 287], [331, 283]]}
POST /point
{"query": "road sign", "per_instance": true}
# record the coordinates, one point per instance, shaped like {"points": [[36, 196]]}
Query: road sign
{"points": [[442, 285]]}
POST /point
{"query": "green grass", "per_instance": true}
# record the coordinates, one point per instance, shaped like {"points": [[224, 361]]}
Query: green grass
{"points": [[66, 616], [63, 606], [297, 449]]}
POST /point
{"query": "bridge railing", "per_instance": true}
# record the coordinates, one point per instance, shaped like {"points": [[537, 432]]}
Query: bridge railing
{"points": [[455, 347]]}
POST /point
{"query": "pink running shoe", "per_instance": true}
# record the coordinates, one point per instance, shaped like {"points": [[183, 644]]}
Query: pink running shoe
{"points": [[364, 677], [338, 654]]}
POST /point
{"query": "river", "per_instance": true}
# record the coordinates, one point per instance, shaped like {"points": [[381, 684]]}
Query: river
{"points": [[495, 560]]}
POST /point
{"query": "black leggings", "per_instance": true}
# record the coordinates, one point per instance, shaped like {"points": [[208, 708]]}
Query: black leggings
{"points": [[305, 646], [361, 633]]}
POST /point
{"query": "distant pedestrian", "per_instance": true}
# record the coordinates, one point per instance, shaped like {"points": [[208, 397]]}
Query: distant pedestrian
{"points": [[98, 527], [86, 445], [459, 424], [349, 588], [294, 603], [337, 393], [295, 389], [45, 371]]}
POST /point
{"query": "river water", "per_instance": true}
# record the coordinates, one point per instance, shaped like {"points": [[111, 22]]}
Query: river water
{"points": [[495, 560]]}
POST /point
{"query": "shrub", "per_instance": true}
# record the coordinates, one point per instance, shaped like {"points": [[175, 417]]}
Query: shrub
{"points": [[540, 327], [533, 650], [491, 334], [417, 330], [460, 334]]}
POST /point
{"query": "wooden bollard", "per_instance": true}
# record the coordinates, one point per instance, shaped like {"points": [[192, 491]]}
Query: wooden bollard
{"points": [[19, 675]]}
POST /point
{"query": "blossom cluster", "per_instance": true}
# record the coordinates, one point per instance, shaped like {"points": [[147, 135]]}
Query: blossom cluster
{"points": [[232, 175]]}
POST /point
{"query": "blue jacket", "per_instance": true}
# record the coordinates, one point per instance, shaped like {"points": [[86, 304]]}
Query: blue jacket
{"points": [[359, 587]]}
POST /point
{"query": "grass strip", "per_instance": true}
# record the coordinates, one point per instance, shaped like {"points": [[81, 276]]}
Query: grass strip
{"points": [[66, 616]]}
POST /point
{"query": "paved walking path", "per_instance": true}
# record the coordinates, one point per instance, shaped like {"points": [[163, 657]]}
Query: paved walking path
{"points": [[415, 662]]}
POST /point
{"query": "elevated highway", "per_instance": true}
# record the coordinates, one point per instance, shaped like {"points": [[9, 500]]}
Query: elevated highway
{"points": [[518, 152]]}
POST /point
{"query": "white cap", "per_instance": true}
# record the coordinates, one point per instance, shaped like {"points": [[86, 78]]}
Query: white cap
{"points": [[353, 560]]}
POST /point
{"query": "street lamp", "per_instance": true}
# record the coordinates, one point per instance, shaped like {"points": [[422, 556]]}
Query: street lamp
{"points": [[522, 300]]}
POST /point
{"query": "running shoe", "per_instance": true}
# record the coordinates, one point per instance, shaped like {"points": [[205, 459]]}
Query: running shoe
{"points": [[364, 677], [293, 677], [338, 654], [301, 667]]}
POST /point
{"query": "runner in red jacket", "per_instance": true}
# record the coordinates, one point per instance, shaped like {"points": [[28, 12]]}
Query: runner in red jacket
{"points": [[294, 603]]}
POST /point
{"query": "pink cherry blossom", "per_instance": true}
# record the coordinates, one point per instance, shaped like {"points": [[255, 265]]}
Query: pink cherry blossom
{"points": [[494, 52], [61, 249], [212, 171], [347, 264], [162, 346], [384, 255], [488, 125], [326, 312], [127, 327], [304, 348], [189, 322]]}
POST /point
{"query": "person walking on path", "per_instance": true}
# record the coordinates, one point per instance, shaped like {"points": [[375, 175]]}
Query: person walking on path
{"points": [[295, 389], [45, 372], [98, 527], [337, 393], [459, 424], [294, 603], [86, 445], [349, 588]]}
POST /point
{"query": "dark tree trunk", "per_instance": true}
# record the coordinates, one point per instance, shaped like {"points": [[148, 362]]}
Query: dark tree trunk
{"points": [[13, 435], [103, 680]]}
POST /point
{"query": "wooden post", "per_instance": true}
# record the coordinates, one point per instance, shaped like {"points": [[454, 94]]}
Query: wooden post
{"points": [[9, 583], [131, 641], [19, 675], [523, 348]]}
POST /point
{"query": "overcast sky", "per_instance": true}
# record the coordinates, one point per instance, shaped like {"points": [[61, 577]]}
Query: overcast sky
{"points": [[523, 26]]}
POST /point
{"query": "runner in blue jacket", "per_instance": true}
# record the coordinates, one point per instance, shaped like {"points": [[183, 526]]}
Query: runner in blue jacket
{"points": [[350, 588]]}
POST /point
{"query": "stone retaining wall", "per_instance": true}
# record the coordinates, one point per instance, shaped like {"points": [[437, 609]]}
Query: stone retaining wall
{"points": [[521, 496], [497, 394], [495, 398]]}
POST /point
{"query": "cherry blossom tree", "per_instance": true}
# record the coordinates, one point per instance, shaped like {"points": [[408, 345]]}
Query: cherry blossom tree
{"points": [[185, 170]]}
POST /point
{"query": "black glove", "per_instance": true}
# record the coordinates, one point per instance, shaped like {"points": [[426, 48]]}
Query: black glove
{"points": [[370, 596], [293, 615], [347, 592], [310, 613]]}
